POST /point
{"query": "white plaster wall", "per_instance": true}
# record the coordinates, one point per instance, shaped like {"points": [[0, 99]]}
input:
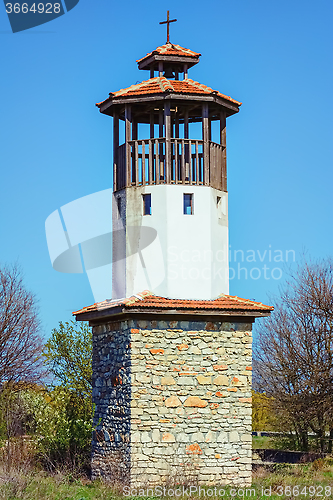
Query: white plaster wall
{"points": [[189, 256]]}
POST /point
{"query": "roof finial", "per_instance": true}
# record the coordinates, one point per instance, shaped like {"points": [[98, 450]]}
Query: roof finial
{"points": [[167, 22]]}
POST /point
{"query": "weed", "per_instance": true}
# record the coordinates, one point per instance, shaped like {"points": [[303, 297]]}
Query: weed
{"points": [[318, 464]]}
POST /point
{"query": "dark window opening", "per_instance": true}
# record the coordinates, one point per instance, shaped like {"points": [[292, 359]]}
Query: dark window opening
{"points": [[146, 204], [219, 207], [188, 204], [119, 208]]}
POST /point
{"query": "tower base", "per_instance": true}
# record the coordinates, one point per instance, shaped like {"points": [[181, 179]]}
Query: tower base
{"points": [[172, 393]]}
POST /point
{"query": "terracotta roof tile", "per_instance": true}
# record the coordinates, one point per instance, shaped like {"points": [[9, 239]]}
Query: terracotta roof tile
{"points": [[161, 85], [172, 50], [148, 300]]}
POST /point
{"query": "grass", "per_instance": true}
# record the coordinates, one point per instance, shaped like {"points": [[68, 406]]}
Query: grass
{"points": [[262, 442], [317, 475], [282, 443], [40, 486], [277, 443]]}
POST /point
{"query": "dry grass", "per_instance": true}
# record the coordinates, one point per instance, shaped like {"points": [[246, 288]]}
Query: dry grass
{"points": [[318, 474], [21, 480]]}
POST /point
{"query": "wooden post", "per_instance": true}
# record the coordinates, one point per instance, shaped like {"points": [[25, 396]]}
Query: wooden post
{"points": [[160, 68], [197, 162], [167, 125], [190, 172], [177, 75], [176, 143], [176, 162], [213, 167], [135, 162], [134, 129], [151, 147], [186, 136], [183, 162], [186, 124], [128, 120], [205, 138], [177, 124], [143, 162], [115, 151], [157, 164], [223, 140], [160, 153], [160, 116], [172, 121], [151, 73], [152, 132], [185, 71], [151, 161]]}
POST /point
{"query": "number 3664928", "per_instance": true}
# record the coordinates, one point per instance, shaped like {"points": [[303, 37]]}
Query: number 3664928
{"points": [[36, 8]]}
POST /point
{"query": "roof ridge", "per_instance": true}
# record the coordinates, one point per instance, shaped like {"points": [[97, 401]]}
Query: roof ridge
{"points": [[134, 86], [160, 82], [197, 84], [164, 83], [204, 87], [179, 47], [146, 293], [246, 301]]}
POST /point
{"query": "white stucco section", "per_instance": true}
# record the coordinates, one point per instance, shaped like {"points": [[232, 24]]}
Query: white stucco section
{"points": [[188, 254]]}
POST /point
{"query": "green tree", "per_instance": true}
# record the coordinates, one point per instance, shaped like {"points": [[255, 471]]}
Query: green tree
{"points": [[61, 434], [69, 353], [66, 438], [263, 416]]}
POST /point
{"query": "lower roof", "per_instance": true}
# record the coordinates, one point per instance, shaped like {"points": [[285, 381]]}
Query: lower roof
{"points": [[147, 302], [161, 85]]}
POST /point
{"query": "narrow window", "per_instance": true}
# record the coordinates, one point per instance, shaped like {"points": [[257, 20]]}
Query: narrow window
{"points": [[119, 208], [218, 205], [188, 204], [146, 204]]}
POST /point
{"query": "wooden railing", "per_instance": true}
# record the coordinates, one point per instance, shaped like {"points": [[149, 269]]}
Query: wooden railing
{"points": [[149, 162]]}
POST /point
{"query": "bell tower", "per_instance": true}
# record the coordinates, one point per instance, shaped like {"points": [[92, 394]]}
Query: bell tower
{"points": [[170, 199], [171, 354]]}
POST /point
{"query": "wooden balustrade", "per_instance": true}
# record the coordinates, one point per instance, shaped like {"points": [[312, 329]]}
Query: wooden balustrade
{"points": [[186, 165]]}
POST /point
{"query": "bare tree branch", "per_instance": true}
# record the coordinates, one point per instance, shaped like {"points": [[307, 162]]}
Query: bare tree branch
{"points": [[293, 358], [20, 338]]}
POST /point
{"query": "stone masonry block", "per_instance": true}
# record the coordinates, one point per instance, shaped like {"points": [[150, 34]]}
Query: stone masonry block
{"points": [[172, 392]]}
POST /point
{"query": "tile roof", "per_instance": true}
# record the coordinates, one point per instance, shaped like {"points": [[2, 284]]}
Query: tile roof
{"points": [[172, 50], [161, 85], [147, 300]]}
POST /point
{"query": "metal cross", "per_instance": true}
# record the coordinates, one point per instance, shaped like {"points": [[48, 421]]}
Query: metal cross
{"points": [[167, 22]]}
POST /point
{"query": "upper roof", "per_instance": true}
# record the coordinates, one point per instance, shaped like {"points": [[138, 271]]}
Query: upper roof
{"points": [[161, 85], [148, 301], [170, 49]]}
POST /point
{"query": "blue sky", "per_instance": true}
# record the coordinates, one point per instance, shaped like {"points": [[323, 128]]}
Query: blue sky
{"points": [[275, 57]]}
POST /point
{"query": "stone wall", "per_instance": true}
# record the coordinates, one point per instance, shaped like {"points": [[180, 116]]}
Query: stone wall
{"points": [[172, 399]]}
